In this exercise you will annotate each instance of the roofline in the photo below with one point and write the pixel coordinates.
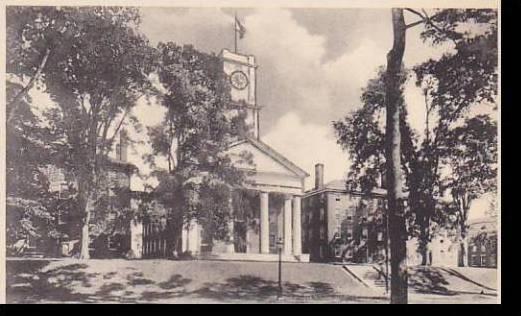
(326, 190)
(276, 155)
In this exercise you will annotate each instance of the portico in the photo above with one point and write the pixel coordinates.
(276, 186)
(291, 222)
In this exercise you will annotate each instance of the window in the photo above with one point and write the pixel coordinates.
(380, 236)
(63, 191)
(322, 213)
(475, 261)
(349, 232)
(322, 232)
(112, 242)
(61, 217)
(350, 218)
(337, 199)
(492, 261)
(364, 233)
(483, 260)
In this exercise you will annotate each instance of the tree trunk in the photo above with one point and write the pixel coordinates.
(85, 238)
(464, 253)
(424, 254)
(397, 228)
(464, 246)
(424, 239)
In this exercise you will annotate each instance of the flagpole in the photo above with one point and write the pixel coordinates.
(235, 30)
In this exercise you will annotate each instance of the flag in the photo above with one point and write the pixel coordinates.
(239, 28)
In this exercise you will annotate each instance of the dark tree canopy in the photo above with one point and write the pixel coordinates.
(196, 131)
(461, 80)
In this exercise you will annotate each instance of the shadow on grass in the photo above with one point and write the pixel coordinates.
(29, 282)
(429, 281)
(252, 288)
(36, 281)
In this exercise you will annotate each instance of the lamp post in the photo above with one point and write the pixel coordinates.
(280, 243)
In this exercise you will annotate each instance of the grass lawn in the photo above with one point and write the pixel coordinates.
(165, 281)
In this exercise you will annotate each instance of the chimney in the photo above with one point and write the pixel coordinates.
(123, 146)
(383, 180)
(319, 176)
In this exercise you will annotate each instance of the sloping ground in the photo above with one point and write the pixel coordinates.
(446, 281)
(487, 278)
(434, 280)
(163, 281)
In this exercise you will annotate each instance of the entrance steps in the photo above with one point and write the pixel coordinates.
(369, 275)
(267, 257)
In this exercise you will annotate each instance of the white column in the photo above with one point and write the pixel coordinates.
(287, 226)
(190, 235)
(136, 238)
(297, 235)
(230, 246)
(264, 223)
(136, 232)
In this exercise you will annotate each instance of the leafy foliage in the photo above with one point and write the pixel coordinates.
(198, 127)
(457, 150)
(94, 67)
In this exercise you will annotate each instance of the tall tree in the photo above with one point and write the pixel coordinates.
(396, 215)
(473, 169)
(198, 127)
(96, 70)
(453, 85)
(464, 77)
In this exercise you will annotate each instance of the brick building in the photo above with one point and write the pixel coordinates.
(115, 180)
(342, 225)
(482, 245)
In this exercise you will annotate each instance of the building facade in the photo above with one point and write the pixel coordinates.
(115, 187)
(482, 245)
(275, 186)
(342, 225)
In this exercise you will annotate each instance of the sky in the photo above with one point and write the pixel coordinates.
(312, 66)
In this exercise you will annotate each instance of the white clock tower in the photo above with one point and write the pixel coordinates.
(240, 71)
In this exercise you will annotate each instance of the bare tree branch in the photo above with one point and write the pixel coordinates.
(414, 24)
(417, 13)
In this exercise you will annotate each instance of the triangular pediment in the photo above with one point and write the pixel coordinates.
(265, 159)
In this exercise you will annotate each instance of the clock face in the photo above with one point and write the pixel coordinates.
(239, 80)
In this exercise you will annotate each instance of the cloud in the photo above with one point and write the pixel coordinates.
(208, 29)
(294, 73)
(313, 65)
(307, 144)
